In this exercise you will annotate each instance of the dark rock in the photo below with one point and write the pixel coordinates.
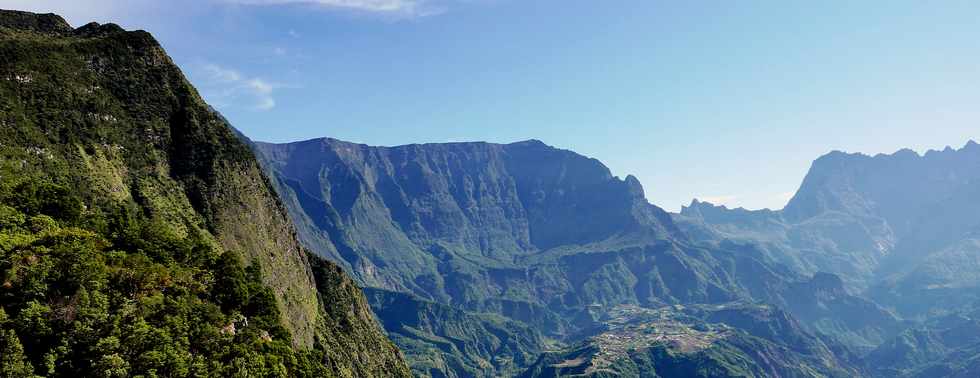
(94, 29)
(40, 23)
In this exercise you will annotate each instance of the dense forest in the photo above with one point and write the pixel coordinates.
(138, 235)
(119, 295)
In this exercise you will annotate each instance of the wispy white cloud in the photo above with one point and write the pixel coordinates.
(229, 87)
(221, 74)
(404, 8)
(259, 86)
(265, 103)
(145, 14)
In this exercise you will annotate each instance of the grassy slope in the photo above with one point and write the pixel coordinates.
(441, 340)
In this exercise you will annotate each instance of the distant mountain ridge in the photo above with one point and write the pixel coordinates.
(551, 239)
(480, 203)
(539, 235)
(887, 221)
(901, 229)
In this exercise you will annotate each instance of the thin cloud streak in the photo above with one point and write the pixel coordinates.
(228, 87)
(401, 8)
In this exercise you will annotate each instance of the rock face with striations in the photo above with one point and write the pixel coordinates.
(903, 225)
(539, 235)
(106, 113)
(410, 218)
(900, 229)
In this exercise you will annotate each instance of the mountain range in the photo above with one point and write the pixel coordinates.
(901, 228)
(498, 228)
(141, 235)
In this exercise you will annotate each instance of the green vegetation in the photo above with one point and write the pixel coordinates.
(128, 298)
(523, 230)
(944, 347)
(442, 341)
(138, 235)
(730, 340)
(544, 238)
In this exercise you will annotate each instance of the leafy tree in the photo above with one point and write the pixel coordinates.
(121, 294)
(13, 362)
(34, 198)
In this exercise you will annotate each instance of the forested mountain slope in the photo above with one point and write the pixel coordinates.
(138, 234)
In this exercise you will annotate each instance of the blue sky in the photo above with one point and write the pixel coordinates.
(724, 101)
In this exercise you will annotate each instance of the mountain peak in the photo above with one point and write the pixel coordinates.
(48, 23)
(634, 185)
(697, 206)
(907, 153)
(531, 142)
(94, 29)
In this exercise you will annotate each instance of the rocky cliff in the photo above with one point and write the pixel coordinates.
(902, 227)
(539, 235)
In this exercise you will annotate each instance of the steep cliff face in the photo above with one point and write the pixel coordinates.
(912, 205)
(106, 113)
(900, 229)
(902, 225)
(895, 187)
(539, 235)
(407, 218)
(549, 238)
(849, 245)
